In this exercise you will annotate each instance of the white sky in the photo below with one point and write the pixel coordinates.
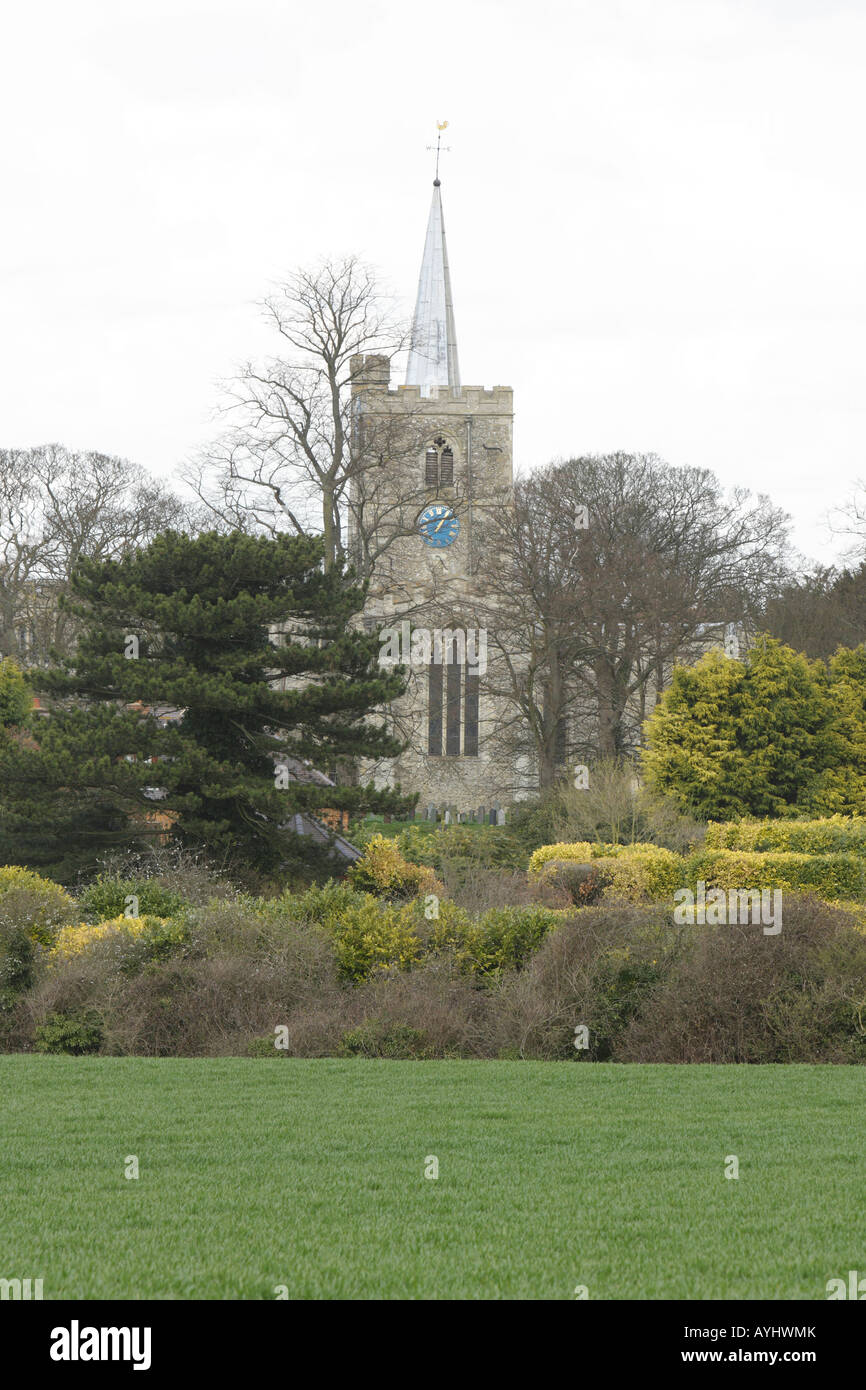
(655, 211)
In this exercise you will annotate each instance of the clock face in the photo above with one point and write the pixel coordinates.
(438, 526)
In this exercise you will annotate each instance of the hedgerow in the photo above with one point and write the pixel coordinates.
(832, 876)
(833, 834)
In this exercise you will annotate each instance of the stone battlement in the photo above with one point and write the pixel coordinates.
(456, 398)
(370, 376)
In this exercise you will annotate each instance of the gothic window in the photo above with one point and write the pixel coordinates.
(470, 730)
(439, 464)
(434, 710)
(452, 708)
(453, 672)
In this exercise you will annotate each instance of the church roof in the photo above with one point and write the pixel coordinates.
(433, 354)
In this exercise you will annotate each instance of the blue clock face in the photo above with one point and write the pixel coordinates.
(438, 526)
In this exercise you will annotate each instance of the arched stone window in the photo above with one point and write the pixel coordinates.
(439, 464)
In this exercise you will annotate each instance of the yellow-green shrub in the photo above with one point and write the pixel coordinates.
(37, 904)
(638, 872)
(579, 853)
(383, 870)
(833, 834)
(503, 938)
(74, 941)
(833, 876)
(373, 935)
(642, 873)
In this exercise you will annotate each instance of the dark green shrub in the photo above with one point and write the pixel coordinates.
(265, 1047)
(108, 897)
(61, 1033)
(16, 958)
(377, 1038)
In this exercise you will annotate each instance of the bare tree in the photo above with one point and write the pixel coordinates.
(300, 454)
(55, 507)
(817, 611)
(850, 520)
(605, 572)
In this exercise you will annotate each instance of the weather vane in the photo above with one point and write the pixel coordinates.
(440, 126)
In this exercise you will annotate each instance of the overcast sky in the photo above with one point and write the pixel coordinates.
(655, 212)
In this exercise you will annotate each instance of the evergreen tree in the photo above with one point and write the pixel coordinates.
(16, 696)
(774, 734)
(203, 663)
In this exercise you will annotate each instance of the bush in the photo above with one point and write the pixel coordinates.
(455, 1017)
(596, 970)
(501, 939)
(377, 1038)
(834, 834)
(739, 996)
(370, 936)
(639, 872)
(75, 1036)
(613, 809)
(188, 873)
(35, 903)
(16, 697)
(109, 896)
(833, 876)
(237, 927)
(579, 853)
(367, 933)
(213, 1007)
(478, 889)
(373, 937)
(383, 870)
(16, 959)
(475, 846)
(578, 885)
(74, 941)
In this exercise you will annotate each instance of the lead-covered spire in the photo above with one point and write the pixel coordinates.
(433, 353)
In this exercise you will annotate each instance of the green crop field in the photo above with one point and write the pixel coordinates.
(311, 1175)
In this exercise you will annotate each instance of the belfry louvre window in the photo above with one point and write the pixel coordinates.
(439, 465)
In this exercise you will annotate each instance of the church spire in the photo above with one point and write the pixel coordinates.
(433, 354)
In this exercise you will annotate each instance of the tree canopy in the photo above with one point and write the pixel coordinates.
(772, 734)
(202, 665)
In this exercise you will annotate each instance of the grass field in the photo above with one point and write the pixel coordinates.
(310, 1174)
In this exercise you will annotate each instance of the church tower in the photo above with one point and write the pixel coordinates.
(438, 461)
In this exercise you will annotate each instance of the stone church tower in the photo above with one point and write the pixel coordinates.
(442, 456)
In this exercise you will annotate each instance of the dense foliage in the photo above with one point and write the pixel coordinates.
(200, 665)
(772, 735)
(390, 965)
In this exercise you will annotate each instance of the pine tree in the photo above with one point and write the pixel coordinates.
(203, 663)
